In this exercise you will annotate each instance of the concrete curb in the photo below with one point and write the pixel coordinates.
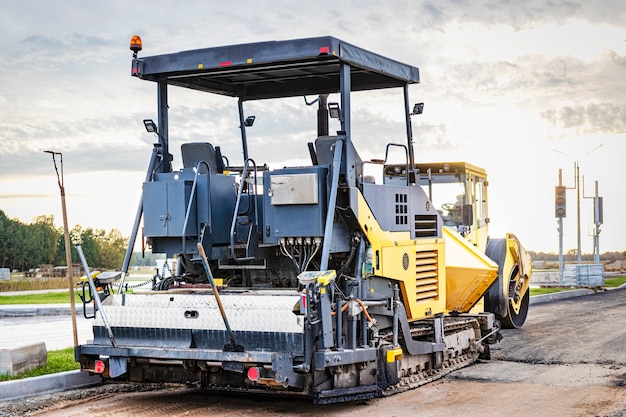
(556, 296)
(563, 295)
(28, 310)
(23, 358)
(47, 384)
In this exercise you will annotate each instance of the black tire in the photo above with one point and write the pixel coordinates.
(515, 320)
(495, 301)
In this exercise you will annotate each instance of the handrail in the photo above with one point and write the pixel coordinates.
(406, 152)
(92, 287)
(193, 194)
(236, 211)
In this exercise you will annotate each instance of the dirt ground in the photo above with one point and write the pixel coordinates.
(568, 360)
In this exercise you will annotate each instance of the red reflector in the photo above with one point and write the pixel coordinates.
(98, 366)
(226, 63)
(254, 373)
(324, 49)
(302, 303)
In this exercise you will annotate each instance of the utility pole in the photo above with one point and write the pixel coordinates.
(577, 179)
(559, 212)
(68, 253)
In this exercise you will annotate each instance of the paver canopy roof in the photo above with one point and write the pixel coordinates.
(276, 69)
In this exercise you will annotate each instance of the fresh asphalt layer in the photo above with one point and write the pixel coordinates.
(64, 381)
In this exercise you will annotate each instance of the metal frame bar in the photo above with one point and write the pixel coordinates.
(332, 201)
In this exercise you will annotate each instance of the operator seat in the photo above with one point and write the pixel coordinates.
(352, 165)
(194, 152)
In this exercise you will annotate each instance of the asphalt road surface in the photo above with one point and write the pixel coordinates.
(568, 360)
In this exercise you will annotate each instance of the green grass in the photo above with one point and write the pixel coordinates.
(548, 290)
(42, 298)
(58, 361)
(608, 282)
(614, 282)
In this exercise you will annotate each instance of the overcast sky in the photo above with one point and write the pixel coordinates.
(519, 88)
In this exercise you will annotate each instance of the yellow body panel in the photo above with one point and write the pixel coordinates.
(435, 275)
(394, 355)
(469, 273)
(417, 265)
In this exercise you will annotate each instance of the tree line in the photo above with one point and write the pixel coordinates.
(572, 256)
(27, 246)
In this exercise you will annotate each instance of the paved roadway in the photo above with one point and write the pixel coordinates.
(56, 331)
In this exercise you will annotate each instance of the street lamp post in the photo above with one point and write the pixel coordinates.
(68, 253)
(577, 173)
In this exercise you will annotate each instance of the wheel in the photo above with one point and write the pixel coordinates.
(503, 298)
(515, 320)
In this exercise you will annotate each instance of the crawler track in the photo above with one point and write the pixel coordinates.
(413, 373)
(414, 380)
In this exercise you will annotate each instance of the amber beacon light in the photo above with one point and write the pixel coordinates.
(135, 45)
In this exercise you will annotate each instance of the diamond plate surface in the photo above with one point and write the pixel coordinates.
(255, 312)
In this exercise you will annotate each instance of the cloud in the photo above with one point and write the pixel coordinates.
(603, 118)
(502, 81)
(497, 12)
(40, 53)
(24, 196)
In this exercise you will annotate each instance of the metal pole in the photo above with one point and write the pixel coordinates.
(332, 202)
(244, 140)
(66, 231)
(560, 237)
(133, 235)
(345, 83)
(409, 129)
(207, 268)
(94, 291)
(68, 261)
(596, 221)
(163, 129)
(561, 251)
(577, 169)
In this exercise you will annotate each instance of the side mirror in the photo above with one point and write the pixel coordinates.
(249, 121)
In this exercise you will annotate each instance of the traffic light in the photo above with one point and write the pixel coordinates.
(559, 201)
